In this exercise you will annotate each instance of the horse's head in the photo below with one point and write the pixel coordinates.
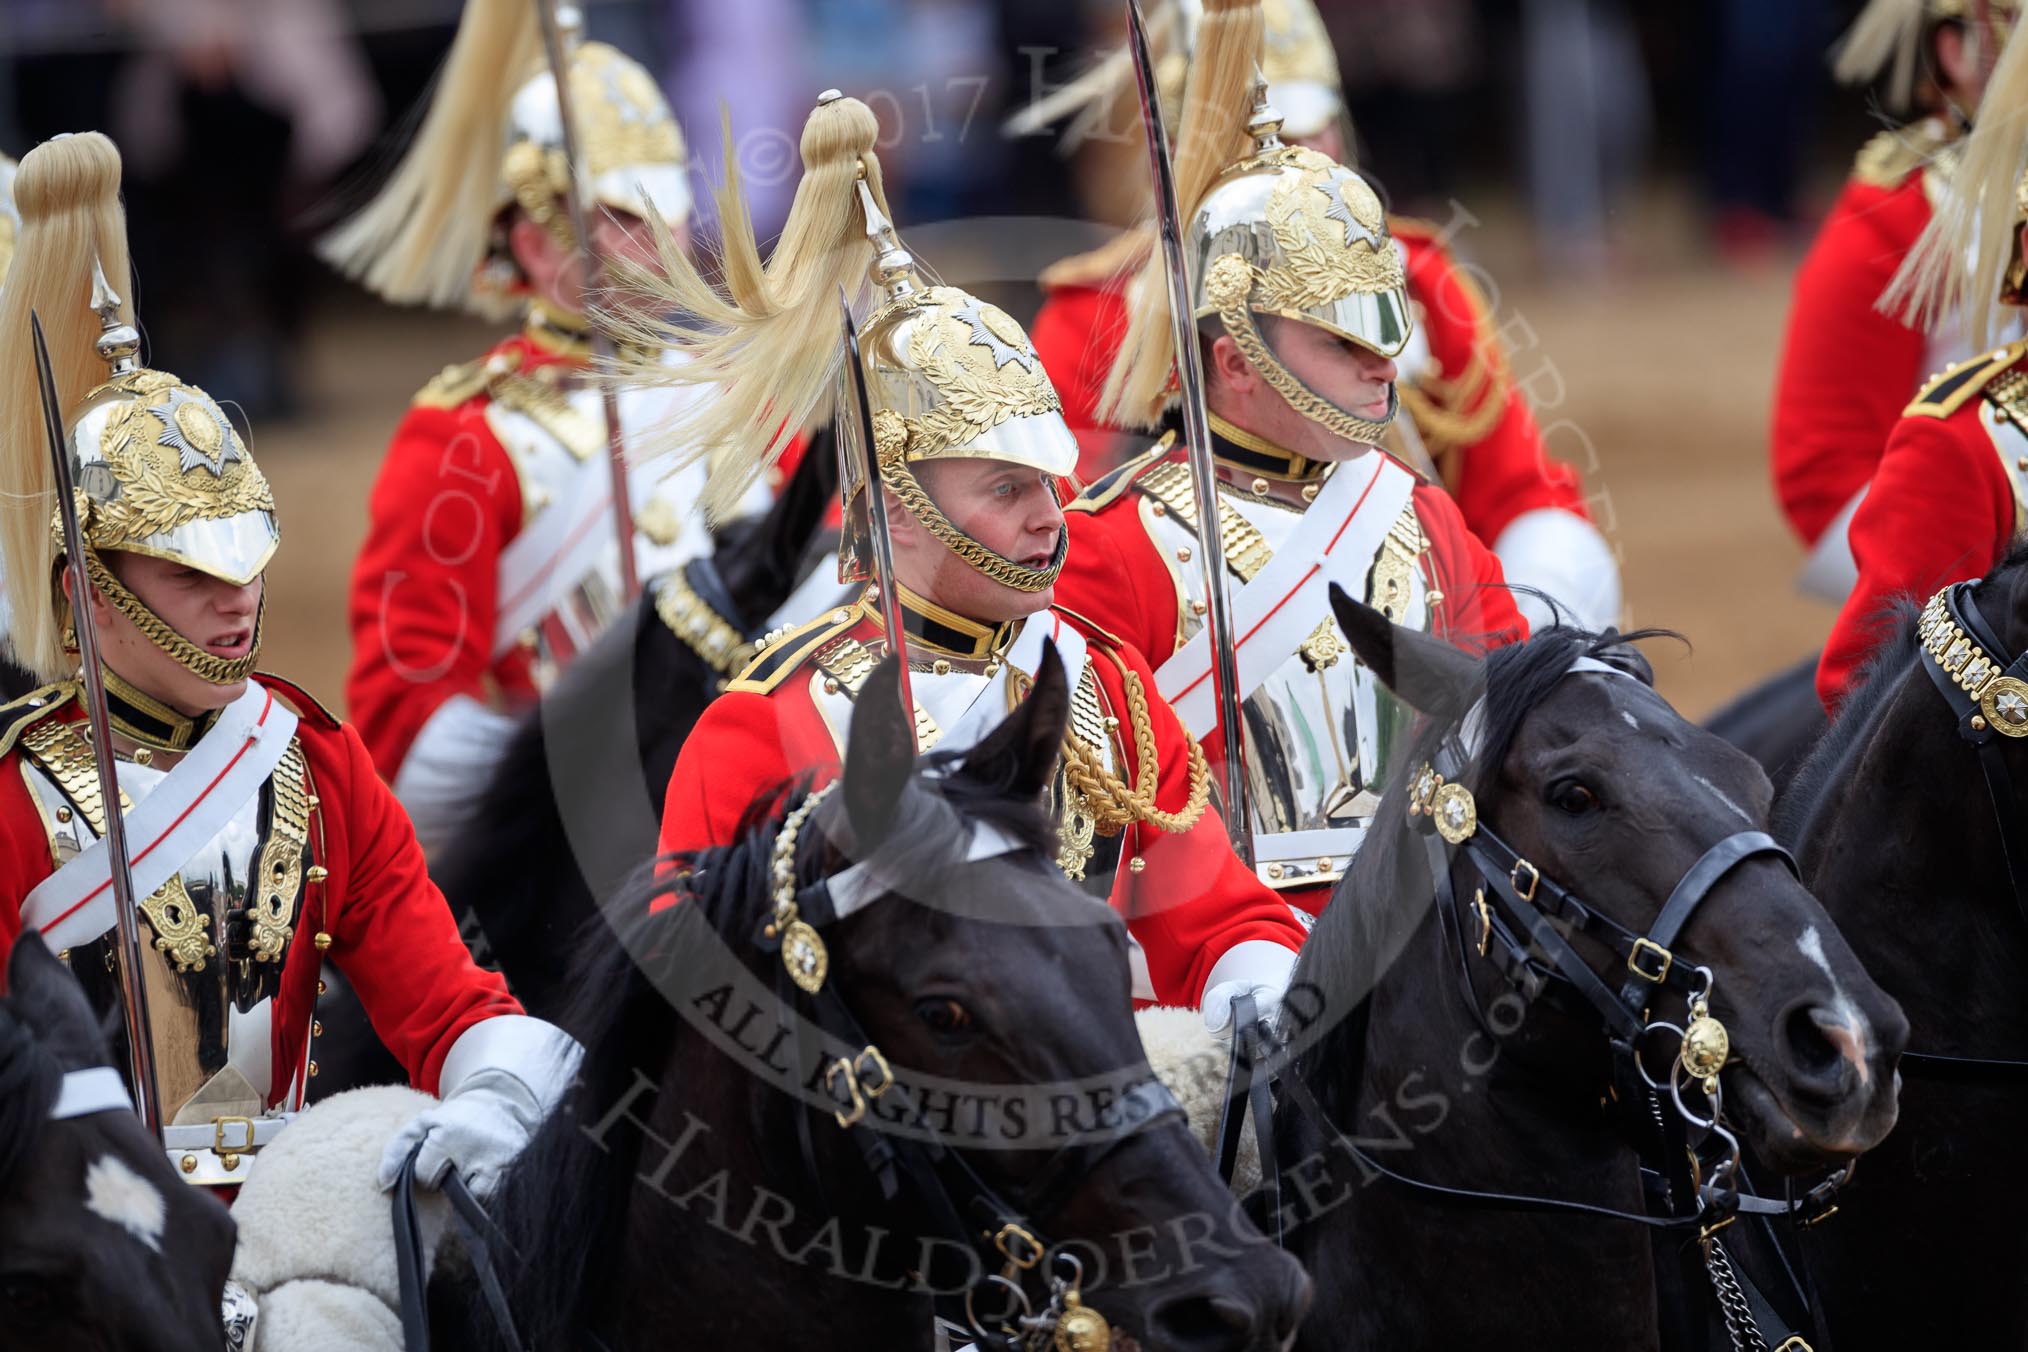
(980, 971)
(101, 1244)
(1613, 800)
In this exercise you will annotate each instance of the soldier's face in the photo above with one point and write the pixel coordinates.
(555, 271)
(213, 614)
(1355, 379)
(1006, 507)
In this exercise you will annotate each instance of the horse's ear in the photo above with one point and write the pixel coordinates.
(879, 756)
(1031, 737)
(47, 998)
(1624, 657)
(1435, 677)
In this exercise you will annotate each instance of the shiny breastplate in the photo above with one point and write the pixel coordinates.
(1322, 734)
(553, 429)
(214, 937)
(943, 691)
(2003, 412)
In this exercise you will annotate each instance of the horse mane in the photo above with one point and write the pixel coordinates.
(31, 1075)
(565, 1205)
(1383, 898)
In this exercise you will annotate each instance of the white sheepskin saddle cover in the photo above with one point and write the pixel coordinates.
(1193, 1063)
(316, 1233)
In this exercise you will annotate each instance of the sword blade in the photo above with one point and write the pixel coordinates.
(1197, 441)
(579, 201)
(856, 442)
(127, 920)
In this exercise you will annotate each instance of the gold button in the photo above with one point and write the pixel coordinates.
(830, 686)
(189, 1164)
(2021, 462)
(316, 873)
(230, 1161)
(1183, 554)
(315, 802)
(1198, 608)
(1978, 723)
(1274, 871)
(316, 1028)
(63, 814)
(940, 667)
(1324, 863)
(1259, 487)
(143, 756)
(1159, 510)
(1112, 724)
(1436, 598)
(320, 986)
(323, 941)
(313, 1070)
(1137, 865)
(1310, 492)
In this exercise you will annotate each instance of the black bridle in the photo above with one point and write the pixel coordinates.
(1988, 692)
(961, 1204)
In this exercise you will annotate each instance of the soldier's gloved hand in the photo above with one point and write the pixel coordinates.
(499, 1080)
(1260, 968)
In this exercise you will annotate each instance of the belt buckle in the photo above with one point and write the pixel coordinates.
(221, 1146)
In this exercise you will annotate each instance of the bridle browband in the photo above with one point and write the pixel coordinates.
(1988, 692)
(961, 1203)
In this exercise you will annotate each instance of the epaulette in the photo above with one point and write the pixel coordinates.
(1104, 490)
(454, 385)
(782, 652)
(1890, 156)
(302, 701)
(1092, 626)
(1947, 392)
(24, 713)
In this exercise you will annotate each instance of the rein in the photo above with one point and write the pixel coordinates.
(1989, 694)
(964, 1207)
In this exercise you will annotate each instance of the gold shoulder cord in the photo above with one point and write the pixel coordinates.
(1114, 806)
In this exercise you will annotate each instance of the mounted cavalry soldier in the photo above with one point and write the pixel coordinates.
(1951, 493)
(261, 842)
(1469, 425)
(1298, 304)
(969, 442)
(492, 556)
(1847, 365)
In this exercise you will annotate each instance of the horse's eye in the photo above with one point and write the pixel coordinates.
(946, 1017)
(1573, 798)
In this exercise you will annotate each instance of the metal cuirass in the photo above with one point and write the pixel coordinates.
(214, 939)
(1322, 734)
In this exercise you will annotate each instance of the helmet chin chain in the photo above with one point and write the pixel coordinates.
(1227, 287)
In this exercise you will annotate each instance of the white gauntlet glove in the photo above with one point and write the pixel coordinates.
(1260, 968)
(500, 1079)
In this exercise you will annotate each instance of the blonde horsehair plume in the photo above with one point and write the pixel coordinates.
(68, 193)
(419, 240)
(765, 337)
(1212, 137)
(1960, 259)
(1886, 32)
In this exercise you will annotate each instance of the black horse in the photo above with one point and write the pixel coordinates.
(101, 1244)
(1436, 1061)
(699, 1187)
(1895, 828)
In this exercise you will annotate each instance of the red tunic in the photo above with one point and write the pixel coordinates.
(1116, 574)
(1498, 470)
(1846, 369)
(391, 931)
(1941, 508)
(424, 589)
(1193, 902)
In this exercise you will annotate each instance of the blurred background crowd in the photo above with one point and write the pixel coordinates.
(1638, 178)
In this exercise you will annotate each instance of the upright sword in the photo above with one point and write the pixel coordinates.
(1197, 439)
(855, 444)
(133, 984)
(554, 21)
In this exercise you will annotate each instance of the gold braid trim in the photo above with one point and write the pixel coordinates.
(908, 490)
(1230, 279)
(217, 670)
(1114, 806)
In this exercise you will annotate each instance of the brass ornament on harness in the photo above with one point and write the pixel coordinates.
(804, 955)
